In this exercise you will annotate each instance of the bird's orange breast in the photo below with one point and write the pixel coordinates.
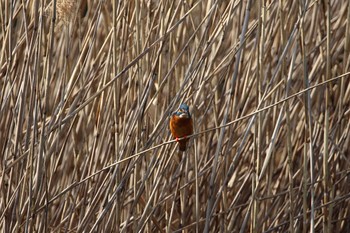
(181, 127)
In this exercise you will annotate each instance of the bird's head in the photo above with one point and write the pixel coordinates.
(183, 111)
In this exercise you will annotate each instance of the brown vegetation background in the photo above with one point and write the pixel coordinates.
(86, 89)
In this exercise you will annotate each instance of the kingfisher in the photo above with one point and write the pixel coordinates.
(181, 125)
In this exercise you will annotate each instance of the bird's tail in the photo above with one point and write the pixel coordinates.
(182, 145)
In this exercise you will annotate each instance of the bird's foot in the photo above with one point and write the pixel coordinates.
(178, 139)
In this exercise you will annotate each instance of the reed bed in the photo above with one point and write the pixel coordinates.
(87, 87)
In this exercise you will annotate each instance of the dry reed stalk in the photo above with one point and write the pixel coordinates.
(327, 211)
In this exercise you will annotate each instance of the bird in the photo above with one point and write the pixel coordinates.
(181, 125)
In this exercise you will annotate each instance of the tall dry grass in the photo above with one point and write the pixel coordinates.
(86, 88)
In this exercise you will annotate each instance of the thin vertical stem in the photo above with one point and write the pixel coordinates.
(326, 183)
(308, 118)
